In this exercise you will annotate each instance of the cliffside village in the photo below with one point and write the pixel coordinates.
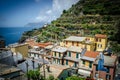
(88, 57)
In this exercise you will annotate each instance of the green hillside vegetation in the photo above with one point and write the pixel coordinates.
(87, 17)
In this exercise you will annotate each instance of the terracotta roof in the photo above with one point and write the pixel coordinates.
(32, 43)
(91, 54)
(43, 45)
(101, 35)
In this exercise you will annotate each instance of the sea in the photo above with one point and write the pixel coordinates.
(13, 34)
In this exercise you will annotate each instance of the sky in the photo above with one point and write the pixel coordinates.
(17, 13)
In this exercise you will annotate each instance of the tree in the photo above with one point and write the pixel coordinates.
(115, 47)
(33, 74)
(117, 26)
(75, 78)
(64, 11)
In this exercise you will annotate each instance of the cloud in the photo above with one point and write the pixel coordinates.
(49, 12)
(47, 15)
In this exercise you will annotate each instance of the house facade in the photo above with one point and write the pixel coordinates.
(109, 64)
(19, 48)
(100, 42)
(72, 58)
(58, 54)
(96, 43)
(86, 63)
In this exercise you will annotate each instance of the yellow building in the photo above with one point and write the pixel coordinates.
(82, 42)
(19, 48)
(96, 43)
(101, 42)
(58, 54)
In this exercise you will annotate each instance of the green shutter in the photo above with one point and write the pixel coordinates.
(90, 65)
(69, 54)
(59, 55)
(77, 55)
(66, 62)
(84, 62)
(96, 67)
(55, 53)
(75, 64)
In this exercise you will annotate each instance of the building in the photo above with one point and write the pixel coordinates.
(40, 50)
(96, 43)
(38, 53)
(58, 54)
(109, 64)
(19, 48)
(100, 42)
(72, 58)
(8, 72)
(6, 57)
(86, 63)
(82, 42)
(2, 42)
(32, 43)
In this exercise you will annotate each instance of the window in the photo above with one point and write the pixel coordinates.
(58, 61)
(34, 55)
(77, 55)
(29, 54)
(38, 55)
(90, 65)
(99, 40)
(96, 75)
(108, 69)
(84, 62)
(96, 39)
(66, 42)
(75, 64)
(72, 43)
(59, 55)
(69, 54)
(66, 62)
(77, 43)
(99, 45)
(55, 54)
(54, 60)
(96, 67)
(108, 77)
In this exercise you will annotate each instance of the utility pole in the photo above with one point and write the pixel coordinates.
(33, 63)
(27, 69)
(43, 66)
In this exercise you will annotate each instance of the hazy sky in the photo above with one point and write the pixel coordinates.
(20, 12)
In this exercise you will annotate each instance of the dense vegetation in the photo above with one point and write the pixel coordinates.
(87, 17)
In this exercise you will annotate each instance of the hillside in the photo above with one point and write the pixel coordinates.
(85, 18)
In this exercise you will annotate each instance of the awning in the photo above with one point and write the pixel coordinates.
(84, 73)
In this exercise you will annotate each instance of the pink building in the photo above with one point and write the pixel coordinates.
(110, 64)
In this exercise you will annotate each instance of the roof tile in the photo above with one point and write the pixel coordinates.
(91, 54)
(101, 35)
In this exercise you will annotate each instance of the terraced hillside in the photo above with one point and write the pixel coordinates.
(87, 17)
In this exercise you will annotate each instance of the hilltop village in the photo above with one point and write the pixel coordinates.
(82, 44)
(74, 56)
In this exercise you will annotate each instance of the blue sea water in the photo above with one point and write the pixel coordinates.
(13, 34)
